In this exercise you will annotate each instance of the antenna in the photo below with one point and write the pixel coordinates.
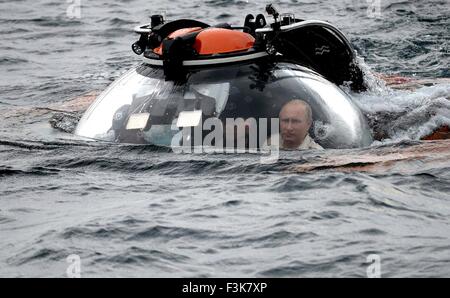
(270, 9)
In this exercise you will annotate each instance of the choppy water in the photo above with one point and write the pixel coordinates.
(143, 211)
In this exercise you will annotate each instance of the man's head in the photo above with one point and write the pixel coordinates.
(295, 121)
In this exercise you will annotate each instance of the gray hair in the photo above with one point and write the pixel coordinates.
(302, 103)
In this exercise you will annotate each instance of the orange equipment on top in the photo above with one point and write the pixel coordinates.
(212, 41)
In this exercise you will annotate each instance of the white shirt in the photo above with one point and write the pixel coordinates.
(308, 143)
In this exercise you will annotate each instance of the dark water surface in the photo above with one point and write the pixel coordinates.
(143, 211)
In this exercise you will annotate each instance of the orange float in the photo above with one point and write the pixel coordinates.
(214, 40)
(175, 34)
(220, 41)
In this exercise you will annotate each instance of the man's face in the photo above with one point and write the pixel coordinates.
(294, 125)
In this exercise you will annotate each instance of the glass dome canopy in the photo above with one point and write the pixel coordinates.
(142, 107)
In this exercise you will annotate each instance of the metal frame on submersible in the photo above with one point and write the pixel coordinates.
(277, 40)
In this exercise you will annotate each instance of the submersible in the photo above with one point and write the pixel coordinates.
(192, 71)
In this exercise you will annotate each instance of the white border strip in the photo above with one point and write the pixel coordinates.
(202, 62)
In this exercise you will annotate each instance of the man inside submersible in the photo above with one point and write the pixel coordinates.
(295, 122)
(164, 100)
